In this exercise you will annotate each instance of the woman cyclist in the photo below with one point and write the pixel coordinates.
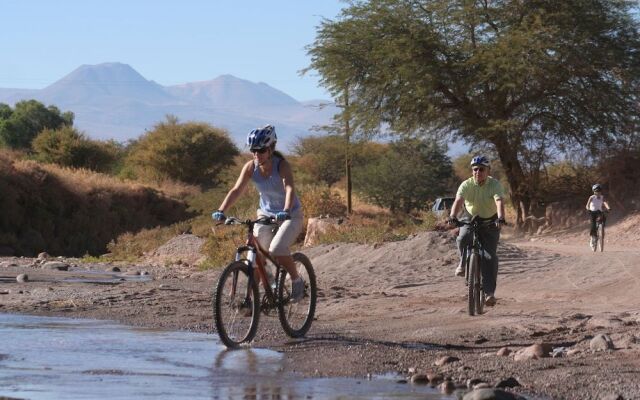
(273, 178)
(596, 205)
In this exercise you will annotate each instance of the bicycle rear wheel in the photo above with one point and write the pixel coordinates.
(474, 296)
(236, 305)
(601, 237)
(296, 317)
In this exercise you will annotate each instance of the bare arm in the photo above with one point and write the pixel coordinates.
(606, 205)
(588, 202)
(500, 207)
(239, 188)
(456, 207)
(287, 181)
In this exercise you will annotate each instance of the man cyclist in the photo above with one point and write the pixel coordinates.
(482, 196)
(596, 205)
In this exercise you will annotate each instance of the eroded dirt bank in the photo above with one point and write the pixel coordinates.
(398, 308)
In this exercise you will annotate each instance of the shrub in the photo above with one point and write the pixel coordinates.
(69, 148)
(405, 175)
(192, 152)
(318, 201)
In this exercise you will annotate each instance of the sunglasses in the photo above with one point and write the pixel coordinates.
(259, 151)
(476, 169)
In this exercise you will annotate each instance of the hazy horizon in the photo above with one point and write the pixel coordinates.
(170, 44)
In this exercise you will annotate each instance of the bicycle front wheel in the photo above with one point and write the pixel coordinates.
(296, 317)
(474, 296)
(236, 305)
(601, 237)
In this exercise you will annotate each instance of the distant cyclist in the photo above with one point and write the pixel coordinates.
(273, 178)
(482, 196)
(596, 205)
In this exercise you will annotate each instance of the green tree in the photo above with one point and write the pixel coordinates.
(68, 147)
(28, 118)
(5, 111)
(322, 157)
(190, 152)
(523, 77)
(406, 175)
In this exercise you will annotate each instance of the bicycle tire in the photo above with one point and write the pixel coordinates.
(296, 318)
(474, 290)
(235, 320)
(601, 237)
(473, 266)
(479, 299)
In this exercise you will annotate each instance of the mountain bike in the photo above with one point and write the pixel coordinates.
(599, 238)
(472, 265)
(237, 301)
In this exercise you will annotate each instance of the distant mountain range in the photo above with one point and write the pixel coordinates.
(113, 101)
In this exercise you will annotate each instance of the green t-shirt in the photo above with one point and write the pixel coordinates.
(481, 200)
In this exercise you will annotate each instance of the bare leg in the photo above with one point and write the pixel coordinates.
(288, 264)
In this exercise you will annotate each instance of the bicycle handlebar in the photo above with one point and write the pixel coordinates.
(476, 220)
(264, 220)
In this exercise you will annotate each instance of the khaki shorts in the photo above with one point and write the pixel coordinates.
(279, 243)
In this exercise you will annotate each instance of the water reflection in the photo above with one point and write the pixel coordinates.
(53, 358)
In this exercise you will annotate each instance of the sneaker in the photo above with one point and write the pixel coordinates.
(297, 293)
(490, 300)
(460, 270)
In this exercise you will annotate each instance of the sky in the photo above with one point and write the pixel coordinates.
(169, 42)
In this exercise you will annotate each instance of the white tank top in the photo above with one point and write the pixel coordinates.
(596, 203)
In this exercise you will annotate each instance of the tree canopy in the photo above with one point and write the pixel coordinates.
(524, 77)
(70, 148)
(190, 152)
(18, 127)
(405, 175)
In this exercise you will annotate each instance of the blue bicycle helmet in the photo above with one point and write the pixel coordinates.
(262, 137)
(596, 187)
(480, 160)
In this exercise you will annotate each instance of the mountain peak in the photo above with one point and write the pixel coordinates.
(229, 91)
(112, 79)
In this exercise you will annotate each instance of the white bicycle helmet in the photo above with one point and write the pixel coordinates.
(596, 187)
(262, 137)
(480, 160)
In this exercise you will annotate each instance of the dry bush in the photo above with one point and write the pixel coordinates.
(320, 200)
(73, 212)
(378, 228)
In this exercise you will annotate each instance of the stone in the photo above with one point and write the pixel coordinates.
(113, 269)
(434, 378)
(419, 379)
(504, 352)
(447, 387)
(43, 256)
(316, 227)
(22, 278)
(490, 394)
(510, 382)
(533, 352)
(56, 265)
(601, 342)
(446, 360)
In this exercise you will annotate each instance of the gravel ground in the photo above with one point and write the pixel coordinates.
(397, 307)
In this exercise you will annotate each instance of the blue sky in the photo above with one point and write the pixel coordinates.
(170, 42)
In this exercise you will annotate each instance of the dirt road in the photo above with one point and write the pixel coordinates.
(397, 307)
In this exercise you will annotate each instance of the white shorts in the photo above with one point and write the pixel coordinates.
(279, 243)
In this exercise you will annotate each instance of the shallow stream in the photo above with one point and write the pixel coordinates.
(61, 358)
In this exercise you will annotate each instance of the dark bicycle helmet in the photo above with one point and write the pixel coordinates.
(262, 137)
(480, 160)
(596, 187)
